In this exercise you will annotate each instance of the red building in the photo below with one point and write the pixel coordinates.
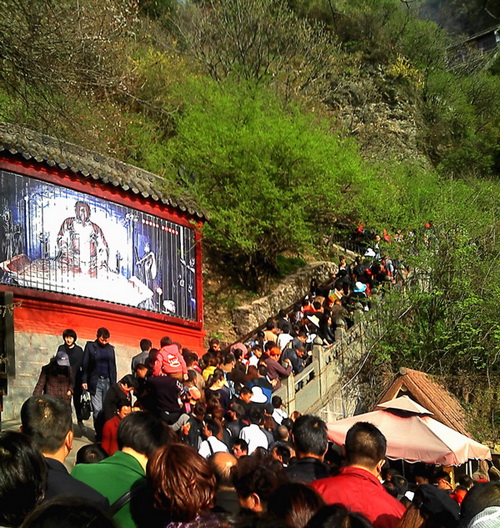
(87, 241)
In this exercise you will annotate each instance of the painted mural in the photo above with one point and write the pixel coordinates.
(60, 240)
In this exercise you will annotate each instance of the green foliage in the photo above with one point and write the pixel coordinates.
(451, 324)
(463, 121)
(288, 265)
(266, 174)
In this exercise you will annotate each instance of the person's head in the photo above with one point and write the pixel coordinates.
(245, 394)
(123, 410)
(214, 344)
(262, 370)
(165, 341)
(337, 516)
(47, 419)
(255, 479)
(69, 336)
(365, 446)
(211, 428)
(142, 432)
(221, 464)
(23, 478)
(257, 351)
(68, 512)
(282, 454)
(229, 359)
(90, 454)
(481, 496)
(217, 378)
(182, 482)
(270, 324)
(294, 503)
(282, 433)
(240, 448)
(443, 480)
(62, 359)
(302, 336)
(103, 336)
(141, 371)
(466, 481)
(82, 212)
(310, 436)
(276, 402)
(199, 410)
(129, 383)
(145, 345)
(436, 506)
(256, 416)
(421, 474)
(300, 350)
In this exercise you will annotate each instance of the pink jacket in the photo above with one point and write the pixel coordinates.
(169, 361)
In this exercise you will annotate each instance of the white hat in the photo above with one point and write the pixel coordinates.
(314, 319)
(258, 395)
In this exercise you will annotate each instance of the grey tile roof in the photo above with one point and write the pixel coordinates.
(33, 145)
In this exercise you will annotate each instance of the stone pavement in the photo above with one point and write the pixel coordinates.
(79, 441)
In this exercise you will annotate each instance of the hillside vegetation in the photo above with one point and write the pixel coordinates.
(284, 119)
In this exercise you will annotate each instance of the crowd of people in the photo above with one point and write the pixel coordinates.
(202, 440)
(156, 479)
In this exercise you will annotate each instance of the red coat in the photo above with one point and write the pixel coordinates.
(360, 491)
(110, 435)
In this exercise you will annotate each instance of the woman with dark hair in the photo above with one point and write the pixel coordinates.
(183, 486)
(55, 378)
(23, 478)
(216, 387)
(294, 503)
(255, 478)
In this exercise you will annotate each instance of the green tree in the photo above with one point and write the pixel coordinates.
(267, 175)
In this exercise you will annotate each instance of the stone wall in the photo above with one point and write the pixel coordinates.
(249, 316)
(33, 351)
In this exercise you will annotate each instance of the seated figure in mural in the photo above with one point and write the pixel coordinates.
(82, 244)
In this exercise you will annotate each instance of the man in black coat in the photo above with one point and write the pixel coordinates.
(98, 373)
(311, 442)
(47, 420)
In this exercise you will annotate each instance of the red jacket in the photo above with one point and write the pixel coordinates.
(360, 491)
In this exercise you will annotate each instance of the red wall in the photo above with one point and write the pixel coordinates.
(50, 313)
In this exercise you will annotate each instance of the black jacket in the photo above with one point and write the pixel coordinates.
(89, 365)
(60, 482)
(307, 470)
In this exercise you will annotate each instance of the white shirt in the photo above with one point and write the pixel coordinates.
(279, 415)
(214, 443)
(255, 437)
(283, 340)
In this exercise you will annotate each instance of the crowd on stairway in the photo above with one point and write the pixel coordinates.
(189, 440)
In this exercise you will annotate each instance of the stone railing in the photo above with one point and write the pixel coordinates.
(315, 386)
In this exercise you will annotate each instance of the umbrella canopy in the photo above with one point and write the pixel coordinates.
(414, 436)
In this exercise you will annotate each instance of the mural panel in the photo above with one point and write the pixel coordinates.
(60, 240)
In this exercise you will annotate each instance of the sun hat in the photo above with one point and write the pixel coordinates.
(258, 395)
(359, 287)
